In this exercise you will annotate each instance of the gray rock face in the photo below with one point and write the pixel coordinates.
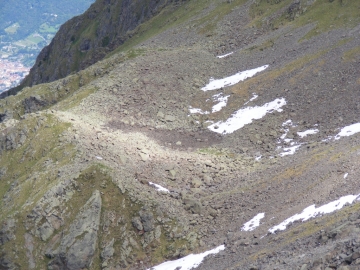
(6, 116)
(137, 223)
(43, 217)
(29, 244)
(6, 235)
(7, 231)
(2, 172)
(78, 247)
(33, 104)
(108, 251)
(147, 220)
(6, 263)
(8, 141)
(45, 231)
(157, 232)
(170, 118)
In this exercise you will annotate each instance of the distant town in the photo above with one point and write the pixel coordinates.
(25, 32)
(17, 56)
(16, 59)
(11, 74)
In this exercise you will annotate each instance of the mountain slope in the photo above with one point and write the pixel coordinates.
(82, 157)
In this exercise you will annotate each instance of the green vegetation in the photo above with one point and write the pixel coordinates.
(46, 28)
(12, 29)
(261, 9)
(201, 10)
(338, 14)
(208, 22)
(75, 99)
(133, 53)
(35, 39)
(352, 54)
(32, 40)
(265, 45)
(325, 14)
(105, 41)
(32, 156)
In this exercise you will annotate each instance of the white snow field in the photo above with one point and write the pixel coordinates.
(348, 131)
(224, 55)
(290, 150)
(246, 115)
(307, 132)
(158, 187)
(312, 211)
(231, 80)
(253, 223)
(186, 263)
(222, 103)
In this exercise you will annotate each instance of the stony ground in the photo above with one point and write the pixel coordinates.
(136, 128)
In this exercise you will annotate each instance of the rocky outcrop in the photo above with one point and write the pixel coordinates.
(5, 116)
(77, 248)
(108, 251)
(7, 234)
(33, 104)
(7, 231)
(47, 215)
(29, 244)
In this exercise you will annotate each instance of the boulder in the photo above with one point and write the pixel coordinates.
(136, 222)
(108, 251)
(7, 231)
(29, 244)
(170, 118)
(192, 205)
(34, 104)
(147, 220)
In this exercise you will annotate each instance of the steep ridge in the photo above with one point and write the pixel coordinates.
(87, 38)
(134, 160)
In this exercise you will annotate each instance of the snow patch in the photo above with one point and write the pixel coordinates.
(290, 150)
(288, 123)
(245, 116)
(348, 131)
(294, 146)
(307, 132)
(187, 263)
(159, 188)
(255, 96)
(225, 55)
(231, 80)
(312, 211)
(344, 132)
(222, 103)
(253, 223)
(196, 110)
